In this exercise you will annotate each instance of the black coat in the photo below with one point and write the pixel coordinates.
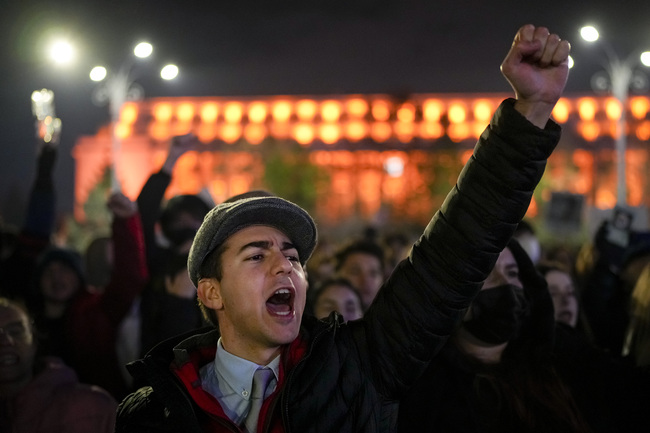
(353, 374)
(459, 394)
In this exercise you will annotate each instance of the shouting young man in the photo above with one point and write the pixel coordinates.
(247, 262)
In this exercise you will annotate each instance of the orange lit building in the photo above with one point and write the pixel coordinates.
(378, 157)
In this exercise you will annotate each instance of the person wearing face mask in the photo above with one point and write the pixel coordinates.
(505, 368)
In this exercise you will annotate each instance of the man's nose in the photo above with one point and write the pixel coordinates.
(281, 264)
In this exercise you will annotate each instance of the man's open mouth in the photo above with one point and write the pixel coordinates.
(281, 302)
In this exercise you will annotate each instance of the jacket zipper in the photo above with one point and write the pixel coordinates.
(285, 406)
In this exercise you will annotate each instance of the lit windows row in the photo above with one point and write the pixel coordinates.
(308, 110)
(356, 118)
(380, 110)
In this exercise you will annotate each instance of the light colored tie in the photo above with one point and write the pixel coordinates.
(261, 379)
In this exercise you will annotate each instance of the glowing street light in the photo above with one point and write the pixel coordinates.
(619, 77)
(61, 52)
(119, 87)
(169, 72)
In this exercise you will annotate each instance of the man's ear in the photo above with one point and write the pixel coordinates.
(209, 292)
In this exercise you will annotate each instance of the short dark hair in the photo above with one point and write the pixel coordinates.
(176, 206)
(361, 246)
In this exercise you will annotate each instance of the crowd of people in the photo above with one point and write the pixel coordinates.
(471, 326)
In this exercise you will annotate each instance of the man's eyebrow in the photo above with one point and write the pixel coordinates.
(265, 245)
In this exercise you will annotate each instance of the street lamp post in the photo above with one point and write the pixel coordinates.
(620, 76)
(116, 89)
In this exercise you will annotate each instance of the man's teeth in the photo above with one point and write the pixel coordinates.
(282, 292)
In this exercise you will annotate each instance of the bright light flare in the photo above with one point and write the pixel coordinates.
(571, 62)
(645, 58)
(589, 33)
(169, 72)
(61, 52)
(394, 166)
(143, 50)
(98, 73)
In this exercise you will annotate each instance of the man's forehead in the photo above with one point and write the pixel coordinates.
(256, 233)
(9, 314)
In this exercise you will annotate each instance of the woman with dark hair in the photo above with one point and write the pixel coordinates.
(566, 297)
(501, 372)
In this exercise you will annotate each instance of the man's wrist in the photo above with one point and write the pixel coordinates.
(537, 113)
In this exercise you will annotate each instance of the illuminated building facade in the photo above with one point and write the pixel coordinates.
(370, 156)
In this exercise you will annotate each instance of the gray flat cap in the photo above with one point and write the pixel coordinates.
(227, 218)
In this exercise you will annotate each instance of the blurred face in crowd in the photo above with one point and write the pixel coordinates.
(341, 298)
(497, 312)
(59, 282)
(17, 349)
(365, 272)
(261, 296)
(505, 271)
(564, 298)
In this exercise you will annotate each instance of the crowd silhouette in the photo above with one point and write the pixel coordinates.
(554, 337)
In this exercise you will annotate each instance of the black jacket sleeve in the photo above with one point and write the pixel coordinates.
(425, 297)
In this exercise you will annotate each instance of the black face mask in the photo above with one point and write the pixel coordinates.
(497, 314)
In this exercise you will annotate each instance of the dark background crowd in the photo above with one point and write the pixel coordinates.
(96, 310)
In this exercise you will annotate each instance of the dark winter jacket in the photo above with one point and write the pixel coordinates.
(348, 377)
(457, 393)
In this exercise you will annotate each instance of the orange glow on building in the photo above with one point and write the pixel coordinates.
(330, 111)
(483, 110)
(381, 110)
(185, 112)
(561, 110)
(257, 112)
(613, 109)
(306, 109)
(281, 111)
(406, 112)
(639, 107)
(351, 137)
(129, 113)
(209, 112)
(356, 108)
(162, 112)
(233, 112)
(457, 113)
(303, 133)
(432, 109)
(587, 108)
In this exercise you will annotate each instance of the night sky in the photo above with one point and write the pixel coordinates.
(244, 47)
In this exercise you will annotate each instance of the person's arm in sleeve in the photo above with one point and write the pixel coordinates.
(151, 196)
(421, 303)
(130, 274)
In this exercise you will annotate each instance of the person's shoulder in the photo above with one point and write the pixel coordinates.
(89, 398)
(140, 405)
(137, 404)
(83, 407)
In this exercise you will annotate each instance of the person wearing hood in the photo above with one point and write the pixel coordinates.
(508, 367)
